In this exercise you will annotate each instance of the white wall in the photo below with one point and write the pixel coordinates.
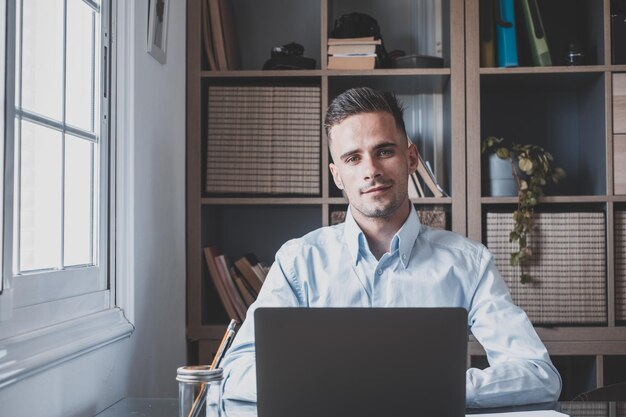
(145, 364)
(159, 150)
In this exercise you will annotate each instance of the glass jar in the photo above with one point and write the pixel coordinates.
(194, 383)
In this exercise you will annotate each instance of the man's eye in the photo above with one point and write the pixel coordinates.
(385, 152)
(351, 159)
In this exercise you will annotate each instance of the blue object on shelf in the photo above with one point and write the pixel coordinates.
(505, 31)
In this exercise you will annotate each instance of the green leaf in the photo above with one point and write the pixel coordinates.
(503, 153)
(526, 279)
(525, 165)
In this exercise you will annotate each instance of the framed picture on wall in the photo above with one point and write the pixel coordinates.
(157, 28)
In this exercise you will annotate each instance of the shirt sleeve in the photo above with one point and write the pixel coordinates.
(520, 370)
(239, 364)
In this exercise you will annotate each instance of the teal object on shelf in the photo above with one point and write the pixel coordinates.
(506, 37)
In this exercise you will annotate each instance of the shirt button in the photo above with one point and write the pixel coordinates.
(404, 257)
(380, 272)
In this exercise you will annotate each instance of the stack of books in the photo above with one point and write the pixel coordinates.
(352, 53)
(263, 140)
(237, 285)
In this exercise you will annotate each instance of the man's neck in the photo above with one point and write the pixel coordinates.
(379, 231)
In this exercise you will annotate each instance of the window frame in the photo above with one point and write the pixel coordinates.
(39, 329)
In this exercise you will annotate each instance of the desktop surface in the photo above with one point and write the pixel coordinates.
(168, 407)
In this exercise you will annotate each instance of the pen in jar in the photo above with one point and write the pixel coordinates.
(219, 355)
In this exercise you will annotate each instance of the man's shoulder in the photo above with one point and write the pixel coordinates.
(451, 241)
(327, 238)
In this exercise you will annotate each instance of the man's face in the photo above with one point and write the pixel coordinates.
(371, 163)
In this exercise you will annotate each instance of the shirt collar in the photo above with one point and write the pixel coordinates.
(403, 240)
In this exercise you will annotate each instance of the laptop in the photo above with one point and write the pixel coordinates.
(361, 362)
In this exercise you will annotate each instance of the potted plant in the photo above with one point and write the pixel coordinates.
(532, 167)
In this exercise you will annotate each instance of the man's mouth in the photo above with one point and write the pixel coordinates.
(377, 189)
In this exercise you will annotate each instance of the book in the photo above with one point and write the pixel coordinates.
(229, 284)
(218, 35)
(359, 62)
(536, 34)
(413, 193)
(352, 49)
(260, 269)
(229, 35)
(246, 293)
(428, 177)
(417, 184)
(505, 31)
(351, 41)
(209, 255)
(487, 35)
(244, 266)
(206, 34)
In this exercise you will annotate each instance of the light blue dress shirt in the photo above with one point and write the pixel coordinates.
(425, 267)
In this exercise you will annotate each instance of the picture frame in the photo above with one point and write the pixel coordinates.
(158, 11)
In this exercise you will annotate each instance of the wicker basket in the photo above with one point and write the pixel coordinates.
(586, 409)
(432, 218)
(569, 263)
(620, 265)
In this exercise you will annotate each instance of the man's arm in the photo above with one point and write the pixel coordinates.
(520, 369)
(279, 290)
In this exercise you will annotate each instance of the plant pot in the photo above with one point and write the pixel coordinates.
(501, 180)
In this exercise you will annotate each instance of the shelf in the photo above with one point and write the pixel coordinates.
(320, 73)
(574, 341)
(425, 200)
(547, 70)
(265, 201)
(550, 199)
(260, 74)
(305, 201)
(563, 113)
(389, 71)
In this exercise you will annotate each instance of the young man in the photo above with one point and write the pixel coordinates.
(383, 257)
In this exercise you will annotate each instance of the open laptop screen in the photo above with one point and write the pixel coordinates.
(361, 362)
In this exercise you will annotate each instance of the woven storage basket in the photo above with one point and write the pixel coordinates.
(569, 263)
(263, 140)
(584, 408)
(620, 265)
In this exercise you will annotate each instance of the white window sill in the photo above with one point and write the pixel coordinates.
(33, 352)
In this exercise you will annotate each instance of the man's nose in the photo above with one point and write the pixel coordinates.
(371, 169)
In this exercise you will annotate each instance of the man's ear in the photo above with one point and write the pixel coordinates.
(412, 157)
(336, 177)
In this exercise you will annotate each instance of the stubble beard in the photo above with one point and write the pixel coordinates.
(380, 212)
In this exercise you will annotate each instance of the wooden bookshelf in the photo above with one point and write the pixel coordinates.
(494, 94)
(477, 102)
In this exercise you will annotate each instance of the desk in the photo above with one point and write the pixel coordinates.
(168, 407)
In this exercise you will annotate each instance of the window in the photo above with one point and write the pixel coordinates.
(59, 142)
(56, 188)
(3, 54)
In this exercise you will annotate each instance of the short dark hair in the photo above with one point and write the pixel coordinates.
(363, 100)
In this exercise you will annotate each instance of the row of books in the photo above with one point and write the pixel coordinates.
(237, 285)
(219, 35)
(352, 53)
(424, 179)
(263, 140)
(498, 33)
